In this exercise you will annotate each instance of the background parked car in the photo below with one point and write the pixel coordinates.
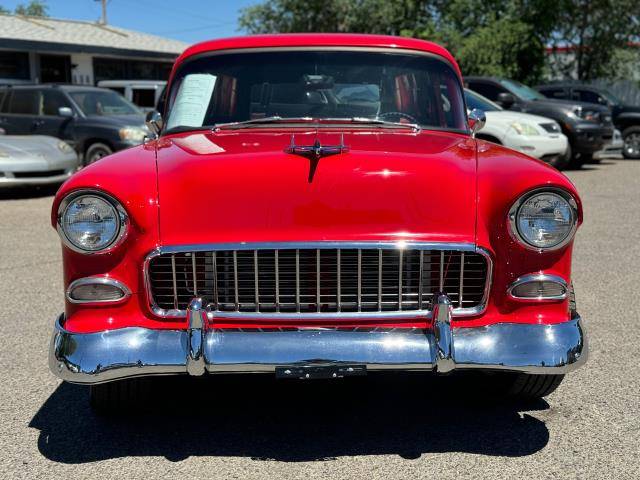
(35, 160)
(587, 126)
(537, 136)
(626, 117)
(144, 93)
(95, 121)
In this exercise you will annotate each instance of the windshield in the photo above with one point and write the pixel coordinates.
(522, 91)
(103, 103)
(611, 97)
(475, 100)
(240, 87)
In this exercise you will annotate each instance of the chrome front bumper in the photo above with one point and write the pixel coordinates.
(132, 352)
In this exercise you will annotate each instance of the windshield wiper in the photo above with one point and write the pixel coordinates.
(264, 120)
(318, 121)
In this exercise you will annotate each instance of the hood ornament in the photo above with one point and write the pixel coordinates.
(317, 150)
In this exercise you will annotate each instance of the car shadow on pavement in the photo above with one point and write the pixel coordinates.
(265, 419)
(23, 193)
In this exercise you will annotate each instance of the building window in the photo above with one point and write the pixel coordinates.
(14, 65)
(115, 69)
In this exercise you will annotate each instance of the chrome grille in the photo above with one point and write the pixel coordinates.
(320, 280)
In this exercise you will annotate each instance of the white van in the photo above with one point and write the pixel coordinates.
(144, 93)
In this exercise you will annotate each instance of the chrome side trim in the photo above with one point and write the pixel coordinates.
(457, 312)
(133, 352)
(123, 227)
(513, 220)
(126, 292)
(539, 277)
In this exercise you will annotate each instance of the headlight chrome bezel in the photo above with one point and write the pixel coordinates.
(515, 208)
(123, 221)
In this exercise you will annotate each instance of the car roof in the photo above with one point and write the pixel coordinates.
(570, 85)
(118, 83)
(69, 88)
(318, 40)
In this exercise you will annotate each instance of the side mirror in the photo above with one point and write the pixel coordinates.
(477, 119)
(154, 123)
(506, 100)
(65, 112)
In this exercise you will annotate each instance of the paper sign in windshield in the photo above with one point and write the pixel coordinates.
(192, 101)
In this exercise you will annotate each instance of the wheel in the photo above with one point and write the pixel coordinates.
(523, 386)
(588, 158)
(574, 159)
(561, 161)
(631, 139)
(95, 152)
(118, 396)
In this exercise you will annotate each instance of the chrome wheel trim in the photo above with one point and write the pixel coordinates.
(632, 144)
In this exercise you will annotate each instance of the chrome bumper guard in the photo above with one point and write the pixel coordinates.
(133, 352)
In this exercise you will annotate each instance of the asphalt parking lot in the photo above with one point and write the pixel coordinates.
(381, 426)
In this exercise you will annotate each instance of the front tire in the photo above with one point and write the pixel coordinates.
(631, 139)
(119, 396)
(523, 386)
(95, 152)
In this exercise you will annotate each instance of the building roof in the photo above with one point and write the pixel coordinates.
(24, 32)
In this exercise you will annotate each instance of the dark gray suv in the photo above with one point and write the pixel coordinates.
(95, 121)
(588, 127)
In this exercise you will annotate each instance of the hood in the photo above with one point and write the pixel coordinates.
(515, 116)
(29, 146)
(134, 120)
(568, 104)
(241, 186)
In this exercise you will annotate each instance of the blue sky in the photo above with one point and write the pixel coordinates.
(187, 20)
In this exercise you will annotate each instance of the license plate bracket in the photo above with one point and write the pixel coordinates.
(321, 371)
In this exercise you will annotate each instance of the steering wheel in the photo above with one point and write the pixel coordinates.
(412, 119)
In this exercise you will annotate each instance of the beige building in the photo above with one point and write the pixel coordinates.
(42, 50)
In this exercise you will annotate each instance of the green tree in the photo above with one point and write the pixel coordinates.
(597, 32)
(35, 8)
(489, 37)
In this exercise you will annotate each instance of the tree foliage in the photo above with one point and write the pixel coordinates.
(488, 37)
(35, 8)
(599, 31)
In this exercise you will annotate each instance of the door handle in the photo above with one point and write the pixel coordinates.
(37, 123)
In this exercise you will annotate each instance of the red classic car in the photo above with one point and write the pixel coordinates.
(316, 206)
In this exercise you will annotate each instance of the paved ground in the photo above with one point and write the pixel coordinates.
(385, 427)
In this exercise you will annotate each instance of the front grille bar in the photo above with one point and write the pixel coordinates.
(330, 279)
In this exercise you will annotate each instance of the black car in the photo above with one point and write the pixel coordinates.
(95, 121)
(587, 126)
(626, 118)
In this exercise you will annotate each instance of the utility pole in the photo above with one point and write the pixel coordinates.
(103, 19)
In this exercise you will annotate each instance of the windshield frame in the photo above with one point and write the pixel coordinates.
(171, 93)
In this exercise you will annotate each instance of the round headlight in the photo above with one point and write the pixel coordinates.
(544, 220)
(91, 222)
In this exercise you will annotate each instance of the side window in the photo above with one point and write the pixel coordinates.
(486, 89)
(554, 93)
(143, 97)
(3, 94)
(24, 102)
(588, 96)
(52, 100)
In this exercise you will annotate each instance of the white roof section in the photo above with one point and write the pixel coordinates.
(82, 36)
